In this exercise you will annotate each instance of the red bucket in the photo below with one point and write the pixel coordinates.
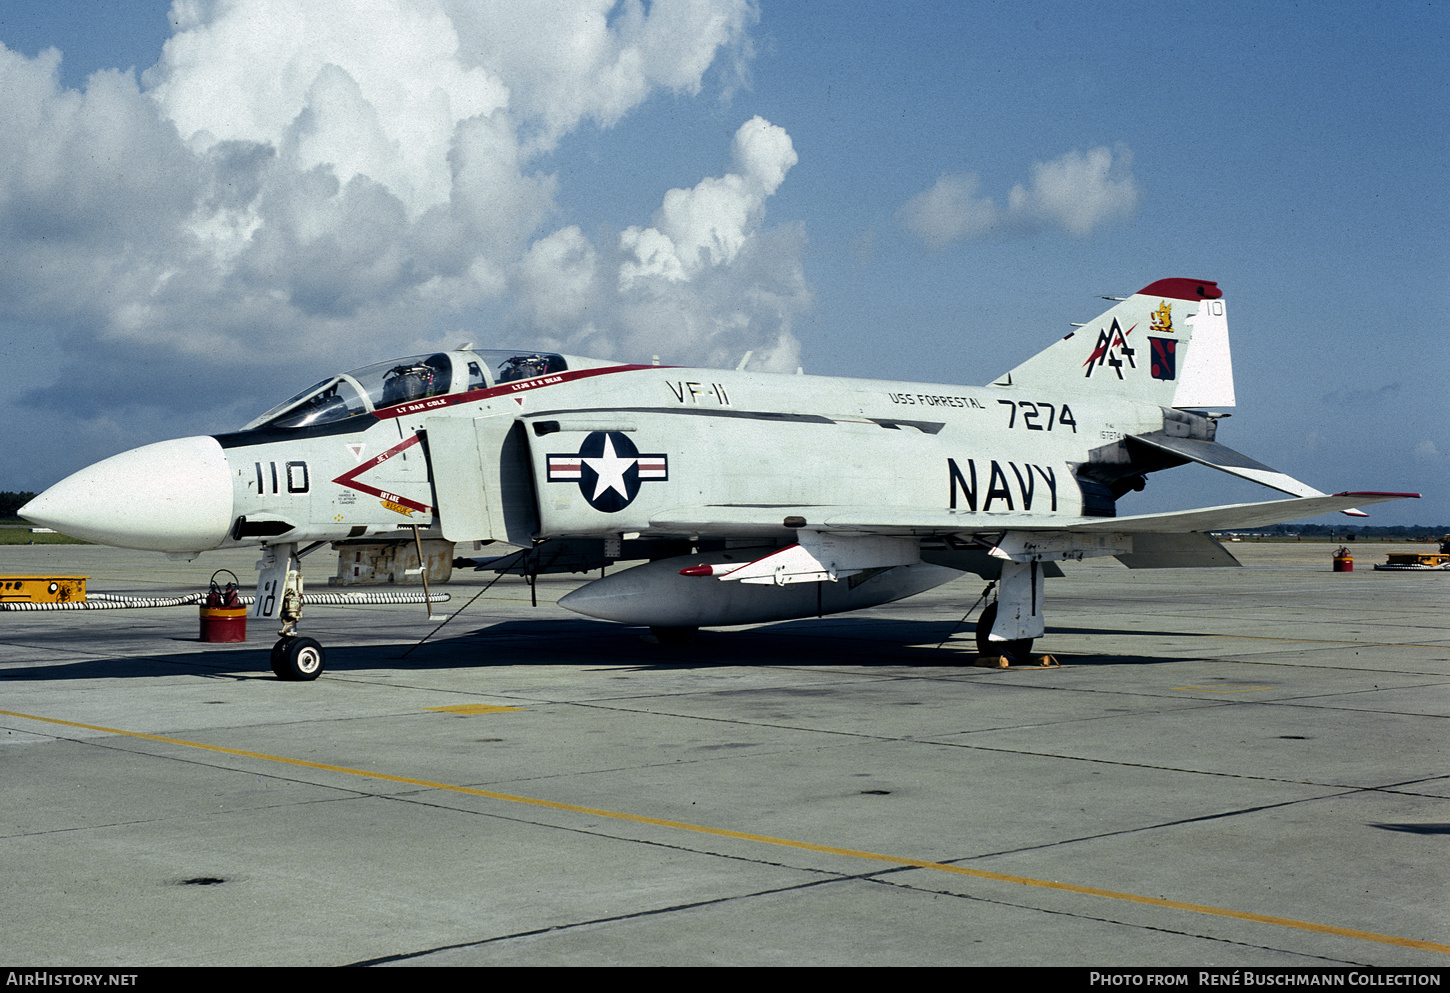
(223, 623)
(223, 618)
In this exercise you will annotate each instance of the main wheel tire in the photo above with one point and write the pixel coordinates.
(1016, 651)
(300, 659)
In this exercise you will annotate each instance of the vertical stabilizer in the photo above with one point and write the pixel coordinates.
(1167, 344)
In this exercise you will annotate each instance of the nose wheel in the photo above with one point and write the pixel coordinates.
(298, 659)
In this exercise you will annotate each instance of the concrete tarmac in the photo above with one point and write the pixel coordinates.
(1241, 768)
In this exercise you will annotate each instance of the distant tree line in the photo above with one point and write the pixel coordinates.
(10, 503)
(1403, 531)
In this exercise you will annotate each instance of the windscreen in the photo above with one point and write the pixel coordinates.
(384, 384)
(330, 400)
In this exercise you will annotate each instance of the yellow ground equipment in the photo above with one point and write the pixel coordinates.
(1420, 561)
(42, 589)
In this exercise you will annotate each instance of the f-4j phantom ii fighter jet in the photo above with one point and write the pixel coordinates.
(755, 497)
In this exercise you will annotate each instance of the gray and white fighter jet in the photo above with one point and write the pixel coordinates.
(755, 497)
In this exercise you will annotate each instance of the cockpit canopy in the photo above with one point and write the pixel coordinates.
(406, 380)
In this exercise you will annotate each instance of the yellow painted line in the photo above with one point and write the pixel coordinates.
(765, 839)
(1223, 689)
(472, 708)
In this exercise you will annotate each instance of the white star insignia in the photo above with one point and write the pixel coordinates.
(610, 469)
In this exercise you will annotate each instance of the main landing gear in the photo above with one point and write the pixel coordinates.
(1016, 613)
(1017, 650)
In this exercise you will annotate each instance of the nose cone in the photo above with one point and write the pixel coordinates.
(174, 496)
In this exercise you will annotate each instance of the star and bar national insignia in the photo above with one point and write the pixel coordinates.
(609, 470)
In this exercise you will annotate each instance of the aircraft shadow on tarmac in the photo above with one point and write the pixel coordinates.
(836, 641)
(1415, 828)
(233, 664)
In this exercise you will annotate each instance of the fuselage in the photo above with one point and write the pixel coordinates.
(600, 450)
(754, 497)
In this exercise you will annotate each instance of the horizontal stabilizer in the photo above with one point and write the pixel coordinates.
(1238, 515)
(1225, 459)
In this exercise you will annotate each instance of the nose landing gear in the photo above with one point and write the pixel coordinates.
(294, 657)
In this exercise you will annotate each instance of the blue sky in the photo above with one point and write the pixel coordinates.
(1295, 154)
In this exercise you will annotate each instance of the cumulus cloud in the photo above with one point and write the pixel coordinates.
(950, 211)
(707, 281)
(723, 310)
(375, 89)
(595, 59)
(557, 286)
(1076, 192)
(312, 184)
(708, 226)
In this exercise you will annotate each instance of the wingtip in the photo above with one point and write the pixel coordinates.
(1378, 496)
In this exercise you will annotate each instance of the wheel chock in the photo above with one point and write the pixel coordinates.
(1002, 662)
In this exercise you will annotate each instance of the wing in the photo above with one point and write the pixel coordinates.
(836, 541)
(753, 521)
